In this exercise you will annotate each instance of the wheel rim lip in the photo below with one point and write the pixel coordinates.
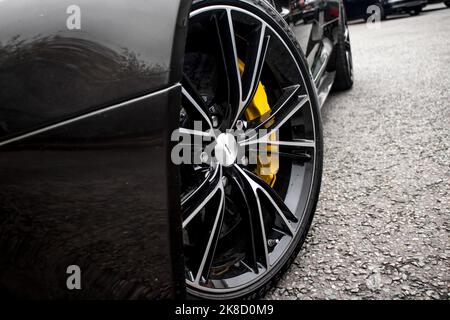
(197, 288)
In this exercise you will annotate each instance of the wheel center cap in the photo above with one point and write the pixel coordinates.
(226, 149)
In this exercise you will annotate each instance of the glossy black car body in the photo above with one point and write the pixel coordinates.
(83, 113)
(85, 123)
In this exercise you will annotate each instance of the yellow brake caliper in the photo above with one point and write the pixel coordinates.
(268, 165)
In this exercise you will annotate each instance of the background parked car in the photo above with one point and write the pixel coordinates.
(357, 9)
(447, 2)
(413, 7)
(361, 9)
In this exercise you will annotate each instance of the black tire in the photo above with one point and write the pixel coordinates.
(447, 3)
(267, 280)
(343, 56)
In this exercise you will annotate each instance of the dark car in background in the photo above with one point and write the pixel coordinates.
(363, 9)
(305, 10)
(89, 105)
(446, 2)
(412, 7)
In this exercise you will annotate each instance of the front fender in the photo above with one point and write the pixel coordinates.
(58, 60)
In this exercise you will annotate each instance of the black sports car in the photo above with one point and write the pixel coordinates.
(96, 101)
(357, 9)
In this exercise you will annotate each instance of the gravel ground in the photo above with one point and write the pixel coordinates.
(382, 227)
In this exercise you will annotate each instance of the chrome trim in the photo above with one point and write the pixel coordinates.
(87, 115)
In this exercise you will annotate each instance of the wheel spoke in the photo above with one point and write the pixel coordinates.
(252, 214)
(263, 129)
(296, 150)
(193, 132)
(257, 46)
(298, 143)
(258, 187)
(193, 203)
(295, 155)
(249, 189)
(272, 196)
(194, 104)
(208, 255)
(227, 43)
(266, 140)
(287, 105)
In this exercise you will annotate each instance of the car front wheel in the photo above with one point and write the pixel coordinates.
(248, 201)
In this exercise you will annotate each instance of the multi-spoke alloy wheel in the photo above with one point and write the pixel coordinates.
(248, 202)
